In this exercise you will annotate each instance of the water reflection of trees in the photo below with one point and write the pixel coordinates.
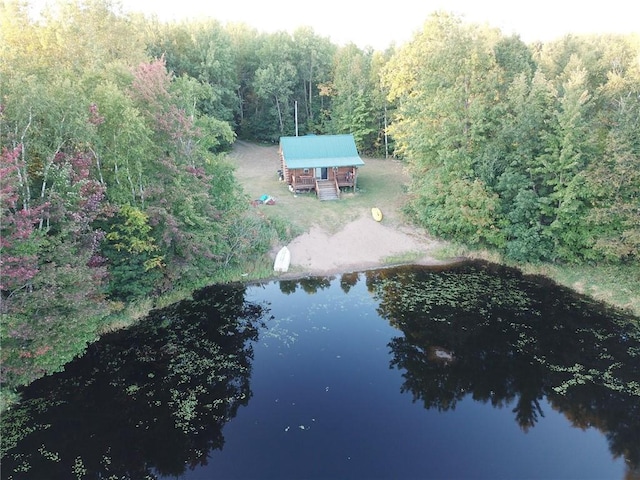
(508, 340)
(312, 285)
(309, 285)
(149, 400)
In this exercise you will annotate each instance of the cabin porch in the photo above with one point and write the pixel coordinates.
(305, 179)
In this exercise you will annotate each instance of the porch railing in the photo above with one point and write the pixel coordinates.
(303, 182)
(345, 179)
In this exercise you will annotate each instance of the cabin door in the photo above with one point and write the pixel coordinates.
(322, 173)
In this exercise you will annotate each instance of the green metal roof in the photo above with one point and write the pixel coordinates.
(314, 151)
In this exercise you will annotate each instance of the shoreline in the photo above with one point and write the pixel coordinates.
(298, 275)
(362, 244)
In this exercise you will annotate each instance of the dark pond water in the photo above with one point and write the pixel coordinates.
(468, 372)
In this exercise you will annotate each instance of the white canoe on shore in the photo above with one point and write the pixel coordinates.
(283, 258)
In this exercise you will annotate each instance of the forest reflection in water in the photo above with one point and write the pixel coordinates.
(152, 401)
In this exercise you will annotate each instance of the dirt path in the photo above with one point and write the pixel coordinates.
(340, 236)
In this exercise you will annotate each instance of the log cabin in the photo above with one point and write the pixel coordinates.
(321, 163)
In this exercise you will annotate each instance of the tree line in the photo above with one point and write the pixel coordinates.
(533, 150)
(114, 127)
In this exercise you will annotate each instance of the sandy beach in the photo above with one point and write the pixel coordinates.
(362, 244)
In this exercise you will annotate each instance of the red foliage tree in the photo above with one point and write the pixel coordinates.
(151, 89)
(18, 235)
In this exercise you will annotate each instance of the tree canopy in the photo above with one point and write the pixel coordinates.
(521, 148)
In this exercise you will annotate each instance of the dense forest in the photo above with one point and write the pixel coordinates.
(107, 120)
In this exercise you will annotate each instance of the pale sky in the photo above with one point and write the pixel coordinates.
(380, 23)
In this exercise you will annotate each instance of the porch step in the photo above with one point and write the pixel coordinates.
(327, 190)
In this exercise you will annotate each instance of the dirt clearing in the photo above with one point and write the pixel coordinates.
(340, 235)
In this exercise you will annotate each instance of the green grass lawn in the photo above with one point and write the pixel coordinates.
(381, 183)
(614, 284)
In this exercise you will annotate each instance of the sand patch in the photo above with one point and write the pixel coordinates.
(361, 244)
